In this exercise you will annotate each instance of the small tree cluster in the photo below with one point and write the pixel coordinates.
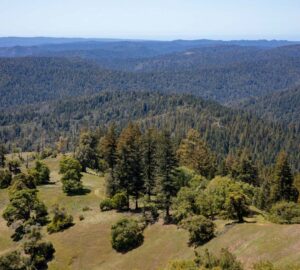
(118, 202)
(24, 208)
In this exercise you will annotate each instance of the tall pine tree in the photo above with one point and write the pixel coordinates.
(129, 163)
(167, 172)
(108, 151)
(282, 187)
(150, 160)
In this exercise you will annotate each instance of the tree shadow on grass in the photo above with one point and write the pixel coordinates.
(80, 192)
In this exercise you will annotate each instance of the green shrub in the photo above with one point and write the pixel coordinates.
(126, 235)
(12, 261)
(201, 229)
(106, 205)
(119, 201)
(60, 221)
(5, 178)
(150, 214)
(225, 261)
(41, 173)
(264, 265)
(285, 213)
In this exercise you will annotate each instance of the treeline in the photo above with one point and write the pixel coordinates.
(224, 130)
(185, 182)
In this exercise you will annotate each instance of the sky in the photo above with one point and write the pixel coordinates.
(152, 19)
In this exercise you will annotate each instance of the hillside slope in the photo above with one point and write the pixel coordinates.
(283, 106)
(31, 127)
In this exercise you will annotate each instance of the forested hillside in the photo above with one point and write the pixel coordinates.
(225, 130)
(283, 106)
(223, 74)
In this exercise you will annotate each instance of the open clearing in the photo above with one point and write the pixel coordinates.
(86, 245)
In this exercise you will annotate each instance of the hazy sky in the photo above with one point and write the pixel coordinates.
(152, 19)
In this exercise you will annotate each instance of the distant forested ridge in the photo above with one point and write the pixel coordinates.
(283, 106)
(226, 78)
(225, 130)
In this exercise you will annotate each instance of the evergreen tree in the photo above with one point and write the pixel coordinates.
(129, 163)
(150, 160)
(282, 187)
(86, 153)
(167, 172)
(108, 146)
(2, 155)
(242, 168)
(108, 150)
(194, 154)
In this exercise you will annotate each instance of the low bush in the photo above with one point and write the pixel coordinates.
(201, 229)
(126, 235)
(285, 213)
(106, 205)
(118, 201)
(60, 221)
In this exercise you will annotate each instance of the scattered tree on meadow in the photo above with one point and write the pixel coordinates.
(86, 152)
(41, 173)
(70, 169)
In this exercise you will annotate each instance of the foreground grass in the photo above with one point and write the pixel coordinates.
(86, 245)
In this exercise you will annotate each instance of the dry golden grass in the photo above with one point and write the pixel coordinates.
(86, 245)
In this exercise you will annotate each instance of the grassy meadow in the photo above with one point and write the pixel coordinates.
(86, 245)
